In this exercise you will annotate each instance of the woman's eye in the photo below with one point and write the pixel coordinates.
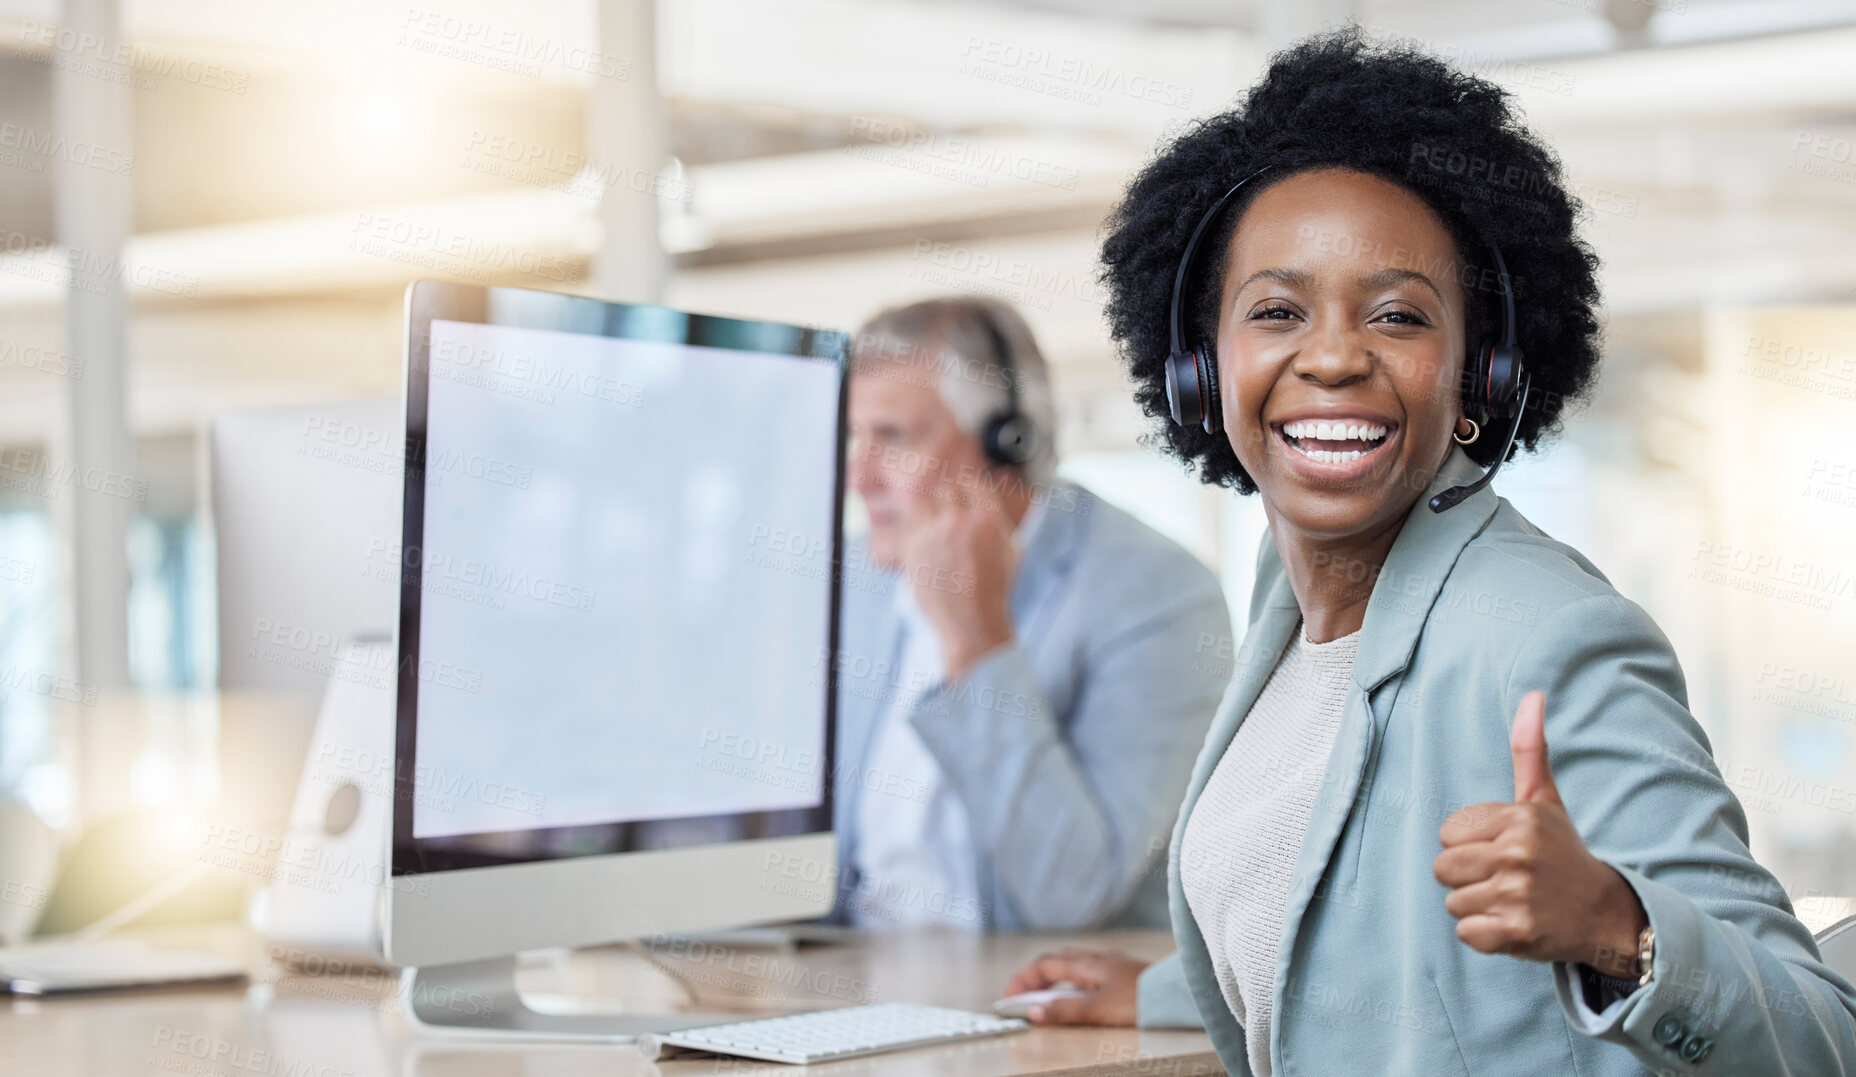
(1404, 317)
(1273, 314)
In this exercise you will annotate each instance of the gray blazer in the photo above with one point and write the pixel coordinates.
(1474, 608)
(1069, 748)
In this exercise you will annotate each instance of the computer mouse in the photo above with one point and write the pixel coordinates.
(1020, 1005)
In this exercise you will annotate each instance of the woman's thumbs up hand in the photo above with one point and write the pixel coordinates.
(1521, 879)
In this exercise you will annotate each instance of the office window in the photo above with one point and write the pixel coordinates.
(173, 636)
(30, 769)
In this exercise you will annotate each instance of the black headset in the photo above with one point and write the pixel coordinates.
(1494, 380)
(1008, 439)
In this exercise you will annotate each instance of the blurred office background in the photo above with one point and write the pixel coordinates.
(213, 206)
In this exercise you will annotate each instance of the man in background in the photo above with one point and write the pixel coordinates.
(1024, 672)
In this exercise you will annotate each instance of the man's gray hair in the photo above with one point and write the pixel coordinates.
(954, 341)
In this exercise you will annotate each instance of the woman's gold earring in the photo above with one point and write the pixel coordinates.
(1475, 431)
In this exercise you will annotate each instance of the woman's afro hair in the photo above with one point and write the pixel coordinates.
(1338, 100)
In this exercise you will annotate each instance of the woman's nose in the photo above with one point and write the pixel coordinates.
(1334, 355)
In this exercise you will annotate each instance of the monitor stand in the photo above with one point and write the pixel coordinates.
(479, 998)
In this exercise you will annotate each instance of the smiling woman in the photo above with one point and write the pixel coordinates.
(1319, 342)
(1380, 865)
(1448, 148)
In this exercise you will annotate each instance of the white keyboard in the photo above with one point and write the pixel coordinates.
(829, 1035)
(62, 966)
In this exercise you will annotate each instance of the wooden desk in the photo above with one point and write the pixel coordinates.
(285, 1024)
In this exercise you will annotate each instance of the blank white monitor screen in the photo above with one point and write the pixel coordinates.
(597, 606)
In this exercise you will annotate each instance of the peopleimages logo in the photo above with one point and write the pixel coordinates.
(43, 360)
(504, 48)
(446, 574)
(527, 376)
(966, 160)
(117, 61)
(33, 472)
(178, 1051)
(1072, 78)
(421, 243)
(46, 145)
(49, 685)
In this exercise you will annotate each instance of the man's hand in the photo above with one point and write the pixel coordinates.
(1108, 977)
(1522, 881)
(961, 562)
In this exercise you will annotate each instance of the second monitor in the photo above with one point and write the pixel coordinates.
(590, 628)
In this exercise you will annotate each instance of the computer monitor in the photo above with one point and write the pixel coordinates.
(619, 584)
(305, 499)
(306, 507)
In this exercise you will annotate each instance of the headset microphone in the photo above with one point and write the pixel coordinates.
(1504, 384)
(1451, 497)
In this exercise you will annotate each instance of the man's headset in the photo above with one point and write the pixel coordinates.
(1494, 380)
(1009, 439)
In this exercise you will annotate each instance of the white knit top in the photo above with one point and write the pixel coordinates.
(1246, 829)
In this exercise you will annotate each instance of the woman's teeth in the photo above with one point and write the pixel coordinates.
(1334, 431)
(1328, 457)
(1345, 441)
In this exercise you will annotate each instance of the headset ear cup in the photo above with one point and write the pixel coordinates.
(1504, 377)
(1207, 364)
(1010, 441)
(1182, 388)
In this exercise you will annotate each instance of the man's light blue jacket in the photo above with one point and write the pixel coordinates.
(1474, 608)
(1070, 747)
